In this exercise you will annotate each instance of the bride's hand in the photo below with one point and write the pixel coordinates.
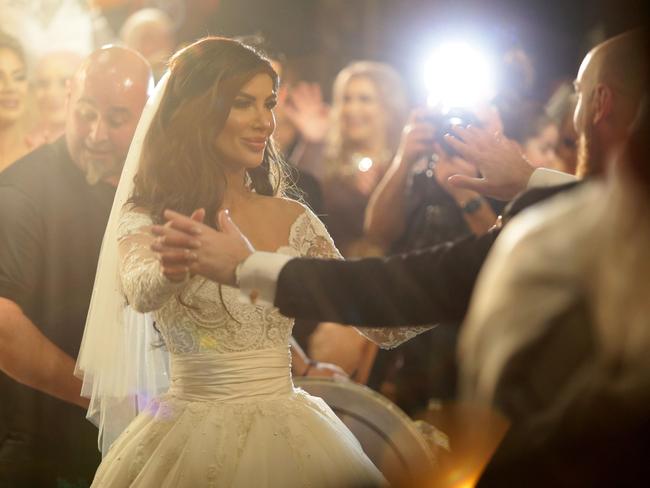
(186, 245)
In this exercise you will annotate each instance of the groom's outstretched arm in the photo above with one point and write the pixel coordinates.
(422, 287)
(430, 286)
(425, 287)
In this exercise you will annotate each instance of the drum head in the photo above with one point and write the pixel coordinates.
(387, 435)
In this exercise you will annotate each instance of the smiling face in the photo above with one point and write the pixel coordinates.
(106, 99)
(244, 138)
(50, 86)
(13, 87)
(363, 116)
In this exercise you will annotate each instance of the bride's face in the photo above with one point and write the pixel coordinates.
(243, 139)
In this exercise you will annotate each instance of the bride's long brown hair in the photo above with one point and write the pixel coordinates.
(179, 167)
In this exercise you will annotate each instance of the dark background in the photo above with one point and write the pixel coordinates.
(320, 37)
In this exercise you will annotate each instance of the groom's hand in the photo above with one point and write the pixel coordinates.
(504, 171)
(187, 244)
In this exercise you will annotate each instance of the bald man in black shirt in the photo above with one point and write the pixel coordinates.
(54, 205)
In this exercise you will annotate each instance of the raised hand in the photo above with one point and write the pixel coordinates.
(186, 245)
(305, 108)
(504, 171)
(417, 139)
(448, 166)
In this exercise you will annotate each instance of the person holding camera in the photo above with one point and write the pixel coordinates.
(415, 207)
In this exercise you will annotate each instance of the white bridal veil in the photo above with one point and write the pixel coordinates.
(119, 362)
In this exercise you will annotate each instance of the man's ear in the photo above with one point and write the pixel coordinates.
(603, 103)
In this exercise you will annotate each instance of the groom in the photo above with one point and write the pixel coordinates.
(54, 205)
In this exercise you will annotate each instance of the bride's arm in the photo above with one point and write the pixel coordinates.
(143, 283)
(317, 243)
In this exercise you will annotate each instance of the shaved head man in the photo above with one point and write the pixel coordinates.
(609, 87)
(106, 97)
(54, 205)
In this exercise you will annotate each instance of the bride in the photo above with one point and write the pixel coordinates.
(227, 414)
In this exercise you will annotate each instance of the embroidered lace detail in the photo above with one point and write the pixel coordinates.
(393, 337)
(145, 287)
(311, 239)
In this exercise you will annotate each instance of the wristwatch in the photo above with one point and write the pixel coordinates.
(471, 206)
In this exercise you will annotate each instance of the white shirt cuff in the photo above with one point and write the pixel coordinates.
(543, 177)
(258, 277)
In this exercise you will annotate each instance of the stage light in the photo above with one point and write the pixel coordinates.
(458, 76)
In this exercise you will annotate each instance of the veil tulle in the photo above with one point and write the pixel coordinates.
(120, 365)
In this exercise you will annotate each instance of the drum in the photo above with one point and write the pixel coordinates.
(388, 436)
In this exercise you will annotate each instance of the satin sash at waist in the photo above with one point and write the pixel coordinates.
(232, 377)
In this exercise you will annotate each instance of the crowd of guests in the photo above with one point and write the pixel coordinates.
(373, 167)
(360, 163)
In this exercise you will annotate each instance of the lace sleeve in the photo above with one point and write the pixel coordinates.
(145, 287)
(317, 243)
(313, 239)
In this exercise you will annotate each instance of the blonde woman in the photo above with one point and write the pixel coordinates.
(350, 145)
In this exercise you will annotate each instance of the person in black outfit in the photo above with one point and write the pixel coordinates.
(54, 205)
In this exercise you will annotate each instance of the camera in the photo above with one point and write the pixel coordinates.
(444, 120)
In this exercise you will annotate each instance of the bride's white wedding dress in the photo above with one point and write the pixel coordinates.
(232, 417)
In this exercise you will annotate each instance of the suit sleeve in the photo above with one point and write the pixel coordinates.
(430, 286)
(419, 288)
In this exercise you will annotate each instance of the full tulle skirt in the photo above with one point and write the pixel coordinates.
(274, 436)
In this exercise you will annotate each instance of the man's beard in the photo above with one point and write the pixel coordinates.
(99, 170)
(590, 157)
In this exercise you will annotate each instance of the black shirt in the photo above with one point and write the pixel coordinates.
(51, 227)
(432, 215)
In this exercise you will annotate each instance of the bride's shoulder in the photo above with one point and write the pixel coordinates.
(285, 209)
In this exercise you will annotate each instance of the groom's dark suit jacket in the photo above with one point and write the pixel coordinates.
(429, 286)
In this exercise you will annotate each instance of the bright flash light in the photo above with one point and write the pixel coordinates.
(458, 75)
(365, 164)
